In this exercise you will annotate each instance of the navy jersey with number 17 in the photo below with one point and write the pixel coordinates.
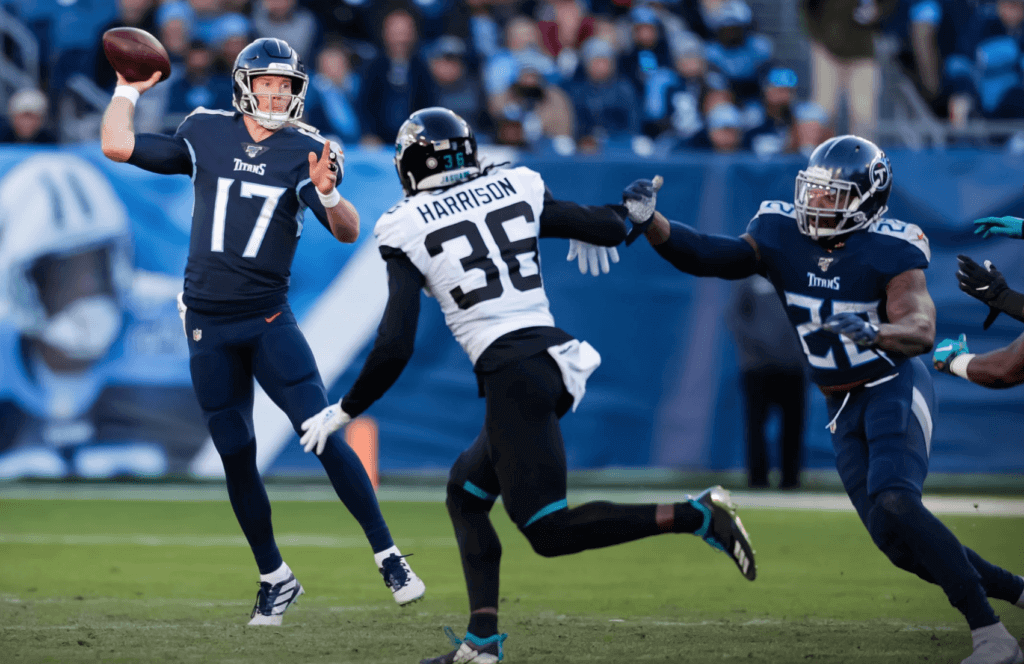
(815, 283)
(250, 199)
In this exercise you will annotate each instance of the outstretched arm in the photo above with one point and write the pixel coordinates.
(998, 369)
(603, 225)
(911, 311)
(396, 336)
(703, 255)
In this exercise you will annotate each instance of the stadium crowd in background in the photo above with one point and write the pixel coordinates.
(546, 75)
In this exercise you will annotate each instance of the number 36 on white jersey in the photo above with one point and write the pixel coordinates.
(476, 246)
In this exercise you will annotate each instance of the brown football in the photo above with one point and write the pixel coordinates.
(135, 54)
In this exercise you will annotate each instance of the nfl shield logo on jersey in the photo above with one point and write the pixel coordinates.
(252, 151)
(824, 262)
(197, 334)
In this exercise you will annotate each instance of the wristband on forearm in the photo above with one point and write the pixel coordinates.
(127, 92)
(958, 365)
(329, 200)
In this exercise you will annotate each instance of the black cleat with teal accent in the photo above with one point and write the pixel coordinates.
(723, 530)
(471, 650)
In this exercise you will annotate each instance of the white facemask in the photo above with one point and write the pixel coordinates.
(85, 329)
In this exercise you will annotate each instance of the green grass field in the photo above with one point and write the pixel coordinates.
(146, 581)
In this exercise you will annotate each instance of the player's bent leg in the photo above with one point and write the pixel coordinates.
(286, 369)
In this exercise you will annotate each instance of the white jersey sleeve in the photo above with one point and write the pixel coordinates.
(476, 246)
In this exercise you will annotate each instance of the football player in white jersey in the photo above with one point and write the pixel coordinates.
(468, 235)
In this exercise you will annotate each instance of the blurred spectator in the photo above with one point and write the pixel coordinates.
(772, 374)
(358, 20)
(200, 85)
(564, 26)
(200, 19)
(438, 18)
(988, 67)
(725, 128)
(333, 91)
(521, 36)
(456, 89)
(672, 96)
(508, 128)
(27, 113)
(395, 83)
(542, 108)
(742, 56)
(284, 19)
(772, 135)
(605, 102)
(714, 92)
(811, 127)
(174, 26)
(842, 36)
(484, 30)
(648, 52)
(139, 14)
(232, 35)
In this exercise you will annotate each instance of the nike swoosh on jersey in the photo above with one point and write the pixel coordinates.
(272, 318)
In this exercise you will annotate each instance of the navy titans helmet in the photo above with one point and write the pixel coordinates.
(435, 148)
(844, 188)
(268, 57)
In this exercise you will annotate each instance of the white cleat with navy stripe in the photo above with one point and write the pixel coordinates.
(273, 600)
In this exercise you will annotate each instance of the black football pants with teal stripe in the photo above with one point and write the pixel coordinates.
(520, 455)
(226, 353)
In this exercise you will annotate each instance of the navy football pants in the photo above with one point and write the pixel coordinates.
(226, 353)
(882, 443)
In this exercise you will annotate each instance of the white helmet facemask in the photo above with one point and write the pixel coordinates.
(247, 101)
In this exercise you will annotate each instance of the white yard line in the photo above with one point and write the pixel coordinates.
(827, 502)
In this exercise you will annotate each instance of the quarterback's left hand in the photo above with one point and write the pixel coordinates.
(853, 327)
(327, 171)
(946, 350)
(595, 256)
(319, 427)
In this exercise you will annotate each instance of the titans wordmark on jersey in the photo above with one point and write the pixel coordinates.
(815, 283)
(247, 216)
(476, 246)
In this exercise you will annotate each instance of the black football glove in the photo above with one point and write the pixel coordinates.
(988, 285)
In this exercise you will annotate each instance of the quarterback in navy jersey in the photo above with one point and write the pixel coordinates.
(256, 170)
(853, 286)
(468, 235)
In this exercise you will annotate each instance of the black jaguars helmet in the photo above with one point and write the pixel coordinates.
(858, 176)
(268, 57)
(435, 148)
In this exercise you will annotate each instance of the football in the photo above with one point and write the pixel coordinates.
(135, 54)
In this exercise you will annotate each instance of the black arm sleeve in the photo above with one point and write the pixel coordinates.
(396, 335)
(157, 153)
(1011, 303)
(312, 201)
(603, 225)
(708, 255)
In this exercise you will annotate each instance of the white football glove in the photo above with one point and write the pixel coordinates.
(598, 258)
(319, 427)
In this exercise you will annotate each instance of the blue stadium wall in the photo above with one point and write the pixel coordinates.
(666, 394)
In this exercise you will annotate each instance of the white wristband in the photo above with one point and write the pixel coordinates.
(331, 199)
(128, 92)
(958, 365)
